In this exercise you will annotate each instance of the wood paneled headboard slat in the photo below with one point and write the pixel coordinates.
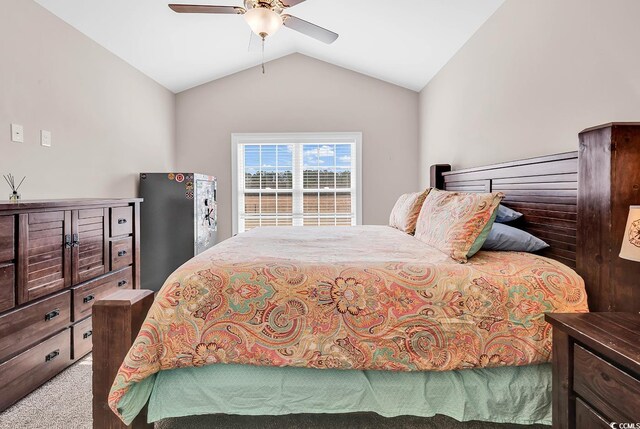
(543, 189)
(552, 178)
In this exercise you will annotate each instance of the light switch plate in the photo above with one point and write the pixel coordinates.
(17, 133)
(45, 138)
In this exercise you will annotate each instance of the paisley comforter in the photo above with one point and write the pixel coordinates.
(368, 297)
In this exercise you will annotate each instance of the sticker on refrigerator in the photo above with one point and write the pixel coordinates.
(171, 176)
(189, 186)
(189, 195)
(179, 177)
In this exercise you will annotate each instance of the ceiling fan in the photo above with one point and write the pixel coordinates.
(265, 17)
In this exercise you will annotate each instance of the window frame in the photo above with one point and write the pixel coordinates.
(237, 139)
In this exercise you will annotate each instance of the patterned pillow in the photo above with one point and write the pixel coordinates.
(405, 213)
(457, 223)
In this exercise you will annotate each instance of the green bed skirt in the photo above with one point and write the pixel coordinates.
(518, 395)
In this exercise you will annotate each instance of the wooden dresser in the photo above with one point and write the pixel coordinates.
(56, 259)
(596, 370)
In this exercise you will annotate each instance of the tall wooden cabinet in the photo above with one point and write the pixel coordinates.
(56, 259)
(609, 182)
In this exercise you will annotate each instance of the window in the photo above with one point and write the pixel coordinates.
(296, 180)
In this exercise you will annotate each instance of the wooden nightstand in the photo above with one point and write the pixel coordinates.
(596, 369)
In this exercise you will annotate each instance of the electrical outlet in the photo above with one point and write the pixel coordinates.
(45, 138)
(17, 133)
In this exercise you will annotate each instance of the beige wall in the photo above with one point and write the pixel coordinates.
(301, 94)
(537, 73)
(109, 121)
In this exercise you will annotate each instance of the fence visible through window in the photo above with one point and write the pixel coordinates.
(296, 184)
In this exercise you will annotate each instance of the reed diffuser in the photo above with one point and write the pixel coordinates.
(11, 181)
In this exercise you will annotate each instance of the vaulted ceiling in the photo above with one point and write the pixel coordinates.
(404, 42)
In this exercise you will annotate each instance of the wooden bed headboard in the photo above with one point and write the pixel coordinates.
(543, 189)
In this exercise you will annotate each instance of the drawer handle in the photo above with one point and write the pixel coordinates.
(122, 253)
(51, 356)
(67, 241)
(52, 315)
(88, 298)
(122, 283)
(122, 221)
(76, 241)
(87, 335)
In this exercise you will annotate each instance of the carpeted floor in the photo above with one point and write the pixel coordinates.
(62, 403)
(65, 403)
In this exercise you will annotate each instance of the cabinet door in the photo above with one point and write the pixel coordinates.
(7, 240)
(44, 259)
(89, 241)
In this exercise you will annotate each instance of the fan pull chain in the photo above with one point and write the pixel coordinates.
(263, 72)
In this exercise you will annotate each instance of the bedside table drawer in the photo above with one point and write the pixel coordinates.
(608, 389)
(586, 417)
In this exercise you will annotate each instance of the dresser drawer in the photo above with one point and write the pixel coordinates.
(606, 388)
(28, 370)
(85, 295)
(121, 221)
(7, 286)
(82, 335)
(7, 238)
(23, 327)
(121, 253)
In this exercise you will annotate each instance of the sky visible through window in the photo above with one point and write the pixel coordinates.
(313, 155)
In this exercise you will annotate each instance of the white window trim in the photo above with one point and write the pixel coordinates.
(320, 138)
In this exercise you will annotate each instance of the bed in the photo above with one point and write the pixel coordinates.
(372, 307)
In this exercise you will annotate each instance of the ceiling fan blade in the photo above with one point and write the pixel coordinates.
(290, 3)
(309, 29)
(194, 8)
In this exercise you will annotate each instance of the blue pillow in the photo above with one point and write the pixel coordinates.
(507, 238)
(505, 214)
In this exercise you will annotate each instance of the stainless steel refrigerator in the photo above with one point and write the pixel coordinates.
(178, 220)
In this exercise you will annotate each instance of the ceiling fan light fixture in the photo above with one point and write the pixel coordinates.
(264, 22)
